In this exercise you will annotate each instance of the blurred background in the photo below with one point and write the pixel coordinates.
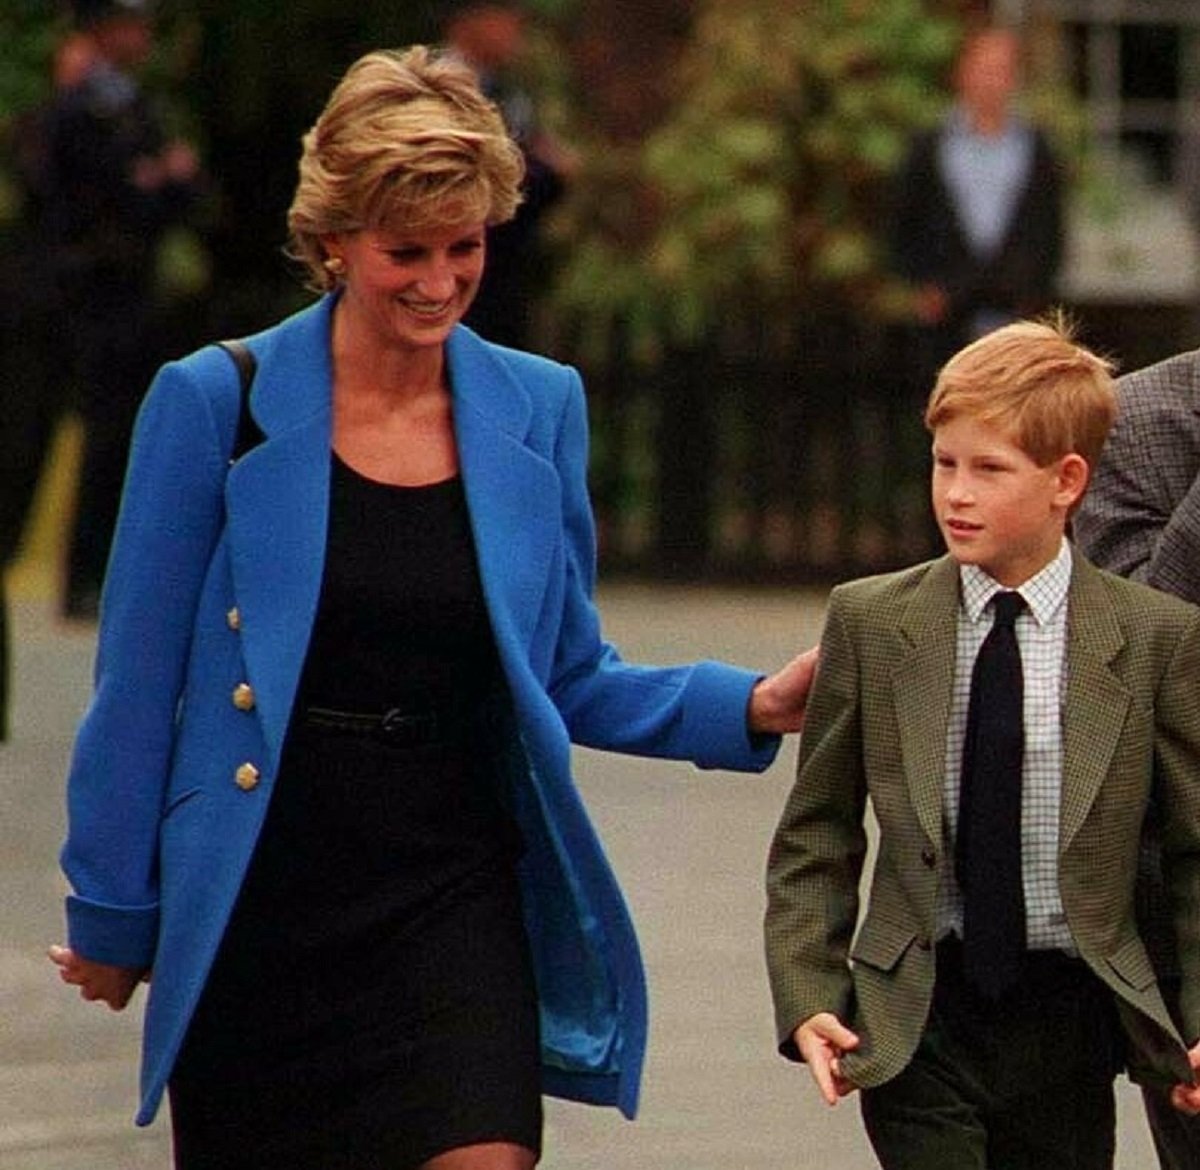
(717, 264)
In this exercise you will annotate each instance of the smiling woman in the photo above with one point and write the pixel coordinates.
(400, 177)
(338, 823)
(405, 291)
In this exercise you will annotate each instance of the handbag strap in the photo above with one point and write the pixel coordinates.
(249, 433)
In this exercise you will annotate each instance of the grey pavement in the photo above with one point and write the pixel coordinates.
(687, 845)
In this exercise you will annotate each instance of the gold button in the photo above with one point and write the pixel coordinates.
(246, 777)
(234, 619)
(243, 697)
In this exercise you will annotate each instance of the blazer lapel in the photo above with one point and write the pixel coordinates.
(922, 683)
(277, 503)
(1096, 699)
(277, 500)
(513, 492)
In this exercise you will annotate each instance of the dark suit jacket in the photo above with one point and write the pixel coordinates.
(876, 727)
(1141, 514)
(1141, 518)
(928, 245)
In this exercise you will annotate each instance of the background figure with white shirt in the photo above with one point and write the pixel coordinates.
(976, 223)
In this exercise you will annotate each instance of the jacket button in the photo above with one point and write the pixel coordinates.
(928, 857)
(243, 697)
(246, 777)
(234, 619)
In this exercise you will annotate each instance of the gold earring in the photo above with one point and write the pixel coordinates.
(335, 266)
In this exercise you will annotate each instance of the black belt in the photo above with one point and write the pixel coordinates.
(395, 726)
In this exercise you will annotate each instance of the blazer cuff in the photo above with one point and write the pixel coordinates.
(122, 936)
(715, 714)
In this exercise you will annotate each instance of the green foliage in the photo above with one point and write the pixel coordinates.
(29, 30)
(760, 190)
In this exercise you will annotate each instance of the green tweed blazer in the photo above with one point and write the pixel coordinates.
(876, 728)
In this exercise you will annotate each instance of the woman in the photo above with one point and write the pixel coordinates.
(323, 788)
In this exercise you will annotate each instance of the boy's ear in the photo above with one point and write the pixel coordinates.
(1073, 474)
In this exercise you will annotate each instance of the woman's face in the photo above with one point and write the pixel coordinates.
(409, 289)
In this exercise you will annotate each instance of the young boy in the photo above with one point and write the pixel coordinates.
(997, 981)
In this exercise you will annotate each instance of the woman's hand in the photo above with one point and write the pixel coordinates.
(777, 703)
(114, 985)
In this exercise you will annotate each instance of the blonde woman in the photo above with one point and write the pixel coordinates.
(322, 795)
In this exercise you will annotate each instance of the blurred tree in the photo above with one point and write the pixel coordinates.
(719, 265)
(29, 30)
(757, 192)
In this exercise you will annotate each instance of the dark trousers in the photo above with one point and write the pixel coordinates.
(117, 357)
(34, 388)
(1024, 1083)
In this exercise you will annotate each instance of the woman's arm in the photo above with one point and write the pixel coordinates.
(170, 519)
(708, 712)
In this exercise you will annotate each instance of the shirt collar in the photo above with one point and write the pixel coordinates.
(958, 125)
(1044, 592)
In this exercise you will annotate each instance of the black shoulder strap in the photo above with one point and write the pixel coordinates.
(249, 434)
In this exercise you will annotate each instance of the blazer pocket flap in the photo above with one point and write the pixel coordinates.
(881, 944)
(1132, 965)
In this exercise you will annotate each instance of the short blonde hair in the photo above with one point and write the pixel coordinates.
(406, 141)
(1050, 395)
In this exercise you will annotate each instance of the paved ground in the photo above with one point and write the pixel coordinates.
(689, 848)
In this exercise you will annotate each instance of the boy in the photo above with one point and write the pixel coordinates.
(998, 980)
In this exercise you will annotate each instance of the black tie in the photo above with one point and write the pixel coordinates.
(988, 849)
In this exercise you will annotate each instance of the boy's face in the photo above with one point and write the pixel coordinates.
(995, 506)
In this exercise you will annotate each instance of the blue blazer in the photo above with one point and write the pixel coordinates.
(214, 581)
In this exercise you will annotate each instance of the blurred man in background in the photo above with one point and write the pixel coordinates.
(977, 222)
(112, 182)
(489, 36)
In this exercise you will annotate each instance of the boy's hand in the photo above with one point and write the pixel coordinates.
(821, 1040)
(114, 985)
(1186, 1098)
(777, 703)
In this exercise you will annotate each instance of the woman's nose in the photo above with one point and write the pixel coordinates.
(437, 282)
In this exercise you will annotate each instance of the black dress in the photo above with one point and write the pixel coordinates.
(372, 1003)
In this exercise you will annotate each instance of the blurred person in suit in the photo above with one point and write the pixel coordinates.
(489, 35)
(976, 211)
(1141, 519)
(974, 222)
(112, 182)
(36, 382)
